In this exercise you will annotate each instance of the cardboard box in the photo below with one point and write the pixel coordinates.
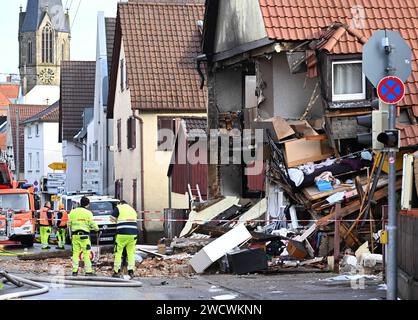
(310, 147)
(277, 127)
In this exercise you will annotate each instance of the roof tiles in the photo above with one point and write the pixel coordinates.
(161, 43)
(77, 93)
(300, 20)
(25, 112)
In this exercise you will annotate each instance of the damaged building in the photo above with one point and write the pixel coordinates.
(295, 74)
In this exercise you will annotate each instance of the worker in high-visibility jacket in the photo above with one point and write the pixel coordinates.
(46, 222)
(61, 224)
(80, 222)
(126, 237)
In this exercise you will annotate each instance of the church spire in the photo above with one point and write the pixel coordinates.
(35, 11)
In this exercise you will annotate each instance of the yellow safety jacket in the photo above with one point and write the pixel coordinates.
(126, 220)
(81, 219)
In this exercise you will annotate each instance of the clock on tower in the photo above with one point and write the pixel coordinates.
(47, 76)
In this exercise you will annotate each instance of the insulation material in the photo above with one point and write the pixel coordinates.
(219, 247)
(255, 212)
(208, 213)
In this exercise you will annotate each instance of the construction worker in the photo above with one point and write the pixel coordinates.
(127, 234)
(80, 222)
(45, 225)
(61, 224)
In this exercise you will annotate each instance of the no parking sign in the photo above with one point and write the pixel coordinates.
(391, 90)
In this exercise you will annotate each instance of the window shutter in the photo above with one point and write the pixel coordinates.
(119, 135)
(168, 124)
(134, 193)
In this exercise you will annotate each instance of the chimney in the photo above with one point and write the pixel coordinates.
(9, 78)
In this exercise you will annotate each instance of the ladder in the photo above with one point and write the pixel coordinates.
(193, 197)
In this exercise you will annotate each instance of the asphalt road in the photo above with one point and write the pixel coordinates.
(300, 286)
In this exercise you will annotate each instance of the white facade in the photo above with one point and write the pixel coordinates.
(72, 154)
(41, 149)
(100, 130)
(42, 95)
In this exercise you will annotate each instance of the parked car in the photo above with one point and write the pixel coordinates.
(102, 208)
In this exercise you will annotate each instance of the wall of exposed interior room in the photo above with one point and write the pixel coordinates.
(239, 22)
(287, 95)
(228, 90)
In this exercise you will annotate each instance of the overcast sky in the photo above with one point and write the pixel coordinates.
(83, 33)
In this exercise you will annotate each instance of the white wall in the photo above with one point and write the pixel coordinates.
(46, 145)
(42, 95)
(73, 155)
(34, 144)
(102, 129)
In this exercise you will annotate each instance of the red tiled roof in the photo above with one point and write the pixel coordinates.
(4, 101)
(25, 112)
(50, 114)
(161, 43)
(77, 93)
(11, 91)
(409, 134)
(298, 20)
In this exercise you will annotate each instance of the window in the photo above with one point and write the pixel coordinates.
(90, 153)
(122, 74)
(131, 125)
(29, 132)
(30, 52)
(165, 133)
(47, 44)
(119, 133)
(348, 81)
(37, 130)
(30, 161)
(38, 161)
(63, 51)
(134, 193)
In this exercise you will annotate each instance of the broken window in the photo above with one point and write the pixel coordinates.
(348, 81)
(131, 124)
(165, 133)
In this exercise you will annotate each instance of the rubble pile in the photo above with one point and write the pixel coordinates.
(315, 198)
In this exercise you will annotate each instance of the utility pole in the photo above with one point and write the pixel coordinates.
(387, 61)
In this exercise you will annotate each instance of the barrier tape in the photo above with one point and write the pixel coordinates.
(217, 220)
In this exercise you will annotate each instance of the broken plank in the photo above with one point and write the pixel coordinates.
(310, 159)
(311, 261)
(355, 205)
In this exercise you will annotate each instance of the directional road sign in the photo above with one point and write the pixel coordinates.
(391, 90)
(58, 166)
(386, 49)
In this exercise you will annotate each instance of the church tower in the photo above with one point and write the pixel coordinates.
(44, 41)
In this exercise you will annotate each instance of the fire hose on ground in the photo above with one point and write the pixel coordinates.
(88, 281)
(64, 280)
(18, 281)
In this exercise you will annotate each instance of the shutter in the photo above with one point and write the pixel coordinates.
(134, 193)
(133, 133)
(119, 136)
(168, 124)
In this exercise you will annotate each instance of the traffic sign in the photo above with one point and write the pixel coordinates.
(55, 184)
(58, 166)
(57, 176)
(386, 54)
(391, 90)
